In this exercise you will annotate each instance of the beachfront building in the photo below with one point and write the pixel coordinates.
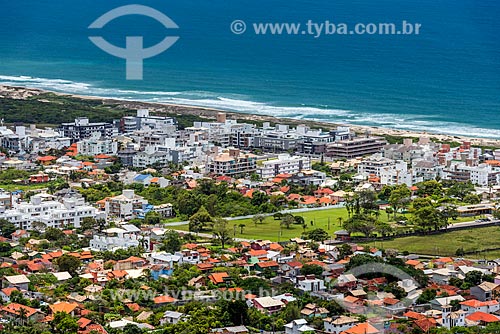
(355, 147)
(284, 164)
(481, 174)
(232, 162)
(96, 145)
(143, 120)
(82, 128)
(40, 140)
(44, 209)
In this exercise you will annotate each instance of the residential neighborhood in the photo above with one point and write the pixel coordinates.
(145, 226)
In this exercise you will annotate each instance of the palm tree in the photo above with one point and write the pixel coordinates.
(241, 226)
(22, 315)
(340, 219)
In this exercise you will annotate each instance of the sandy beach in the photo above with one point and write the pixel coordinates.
(210, 113)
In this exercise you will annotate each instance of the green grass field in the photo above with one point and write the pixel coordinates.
(23, 187)
(272, 230)
(474, 240)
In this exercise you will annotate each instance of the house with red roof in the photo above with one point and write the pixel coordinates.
(482, 319)
(5, 294)
(474, 305)
(164, 300)
(267, 265)
(14, 311)
(219, 278)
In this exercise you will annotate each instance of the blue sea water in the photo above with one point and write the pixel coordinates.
(446, 80)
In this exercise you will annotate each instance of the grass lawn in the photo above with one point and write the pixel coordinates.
(23, 187)
(446, 244)
(270, 229)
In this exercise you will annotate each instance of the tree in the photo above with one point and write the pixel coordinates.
(299, 220)
(241, 226)
(200, 220)
(472, 199)
(152, 218)
(258, 219)
(389, 211)
(6, 228)
(344, 251)
(221, 231)
(426, 296)
(259, 198)
(473, 278)
(88, 223)
(68, 263)
(287, 221)
(318, 235)
(64, 323)
(54, 234)
(430, 188)
(367, 201)
(460, 190)
(399, 198)
(361, 223)
(428, 217)
(383, 228)
(171, 242)
(311, 269)
(131, 329)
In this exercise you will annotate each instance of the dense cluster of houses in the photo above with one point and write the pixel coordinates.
(451, 306)
(269, 159)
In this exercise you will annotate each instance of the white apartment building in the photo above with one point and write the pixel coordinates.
(123, 206)
(120, 238)
(232, 163)
(151, 156)
(143, 120)
(97, 145)
(49, 212)
(399, 174)
(374, 165)
(284, 164)
(482, 175)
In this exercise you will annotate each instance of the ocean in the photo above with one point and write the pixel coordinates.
(444, 80)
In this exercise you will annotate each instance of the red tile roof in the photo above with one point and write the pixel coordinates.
(482, 317)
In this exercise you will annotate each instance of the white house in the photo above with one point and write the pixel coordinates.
(339, 324)
(310, 283)
(297, 327)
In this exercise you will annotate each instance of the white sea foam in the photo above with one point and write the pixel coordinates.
(238, 103)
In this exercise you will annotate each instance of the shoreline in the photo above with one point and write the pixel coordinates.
(23, 93)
